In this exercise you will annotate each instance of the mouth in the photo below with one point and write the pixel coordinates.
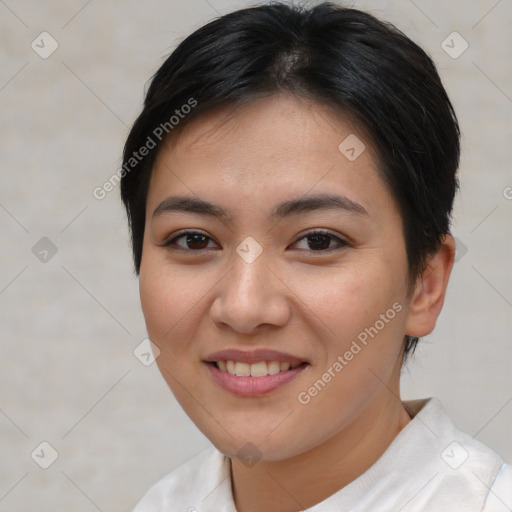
(253, 379)
(258, 370)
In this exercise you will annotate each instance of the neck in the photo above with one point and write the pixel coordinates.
(309, 478)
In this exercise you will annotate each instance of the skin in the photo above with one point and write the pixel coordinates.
(292, 298)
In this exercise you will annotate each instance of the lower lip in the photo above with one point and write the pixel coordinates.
(252, 386)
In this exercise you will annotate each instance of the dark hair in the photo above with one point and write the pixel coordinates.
(342, 57)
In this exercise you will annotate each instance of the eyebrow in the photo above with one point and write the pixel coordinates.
(282, 210)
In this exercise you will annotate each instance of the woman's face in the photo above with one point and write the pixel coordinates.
(258, 282)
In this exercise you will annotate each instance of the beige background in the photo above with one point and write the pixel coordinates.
(69, 325)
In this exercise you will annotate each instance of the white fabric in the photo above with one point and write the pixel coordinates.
(500, 494)
(431, 466)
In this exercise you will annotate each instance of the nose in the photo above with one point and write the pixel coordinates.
(251, 297)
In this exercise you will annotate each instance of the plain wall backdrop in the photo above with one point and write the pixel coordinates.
(69, 305)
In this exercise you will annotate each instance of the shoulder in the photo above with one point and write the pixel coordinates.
(189, 484)
(499, 498)
(469, 475)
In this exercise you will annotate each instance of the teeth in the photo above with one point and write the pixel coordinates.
(230, 365)
(260, 369)
(273, 367)
(243, 369)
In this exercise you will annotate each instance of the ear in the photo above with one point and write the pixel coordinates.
(428, 295)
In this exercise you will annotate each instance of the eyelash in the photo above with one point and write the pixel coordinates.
(342, 243)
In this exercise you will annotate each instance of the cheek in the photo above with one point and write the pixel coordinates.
(174, 300)
(347, 299)
(156, 302)
(164, 295)
(168, 299)
(359, 317)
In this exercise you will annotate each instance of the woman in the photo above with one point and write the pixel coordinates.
(289, 186)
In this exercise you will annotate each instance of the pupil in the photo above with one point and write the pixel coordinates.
(193, 239)
(316, 238)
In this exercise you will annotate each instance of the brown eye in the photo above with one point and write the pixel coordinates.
(195, 241)
(190, 241)
(320, 241)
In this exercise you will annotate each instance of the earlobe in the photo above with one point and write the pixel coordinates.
(428, 296)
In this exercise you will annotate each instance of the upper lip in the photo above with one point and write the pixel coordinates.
(252, 356)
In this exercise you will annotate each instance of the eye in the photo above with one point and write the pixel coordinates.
(196, 241)
(320, 240)
(192, 241)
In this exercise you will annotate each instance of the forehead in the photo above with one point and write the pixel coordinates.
(282, 124)
(268, 149)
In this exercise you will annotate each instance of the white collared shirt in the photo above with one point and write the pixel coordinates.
(430, 466)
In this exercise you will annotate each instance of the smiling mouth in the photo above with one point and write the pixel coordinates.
(259, 369)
